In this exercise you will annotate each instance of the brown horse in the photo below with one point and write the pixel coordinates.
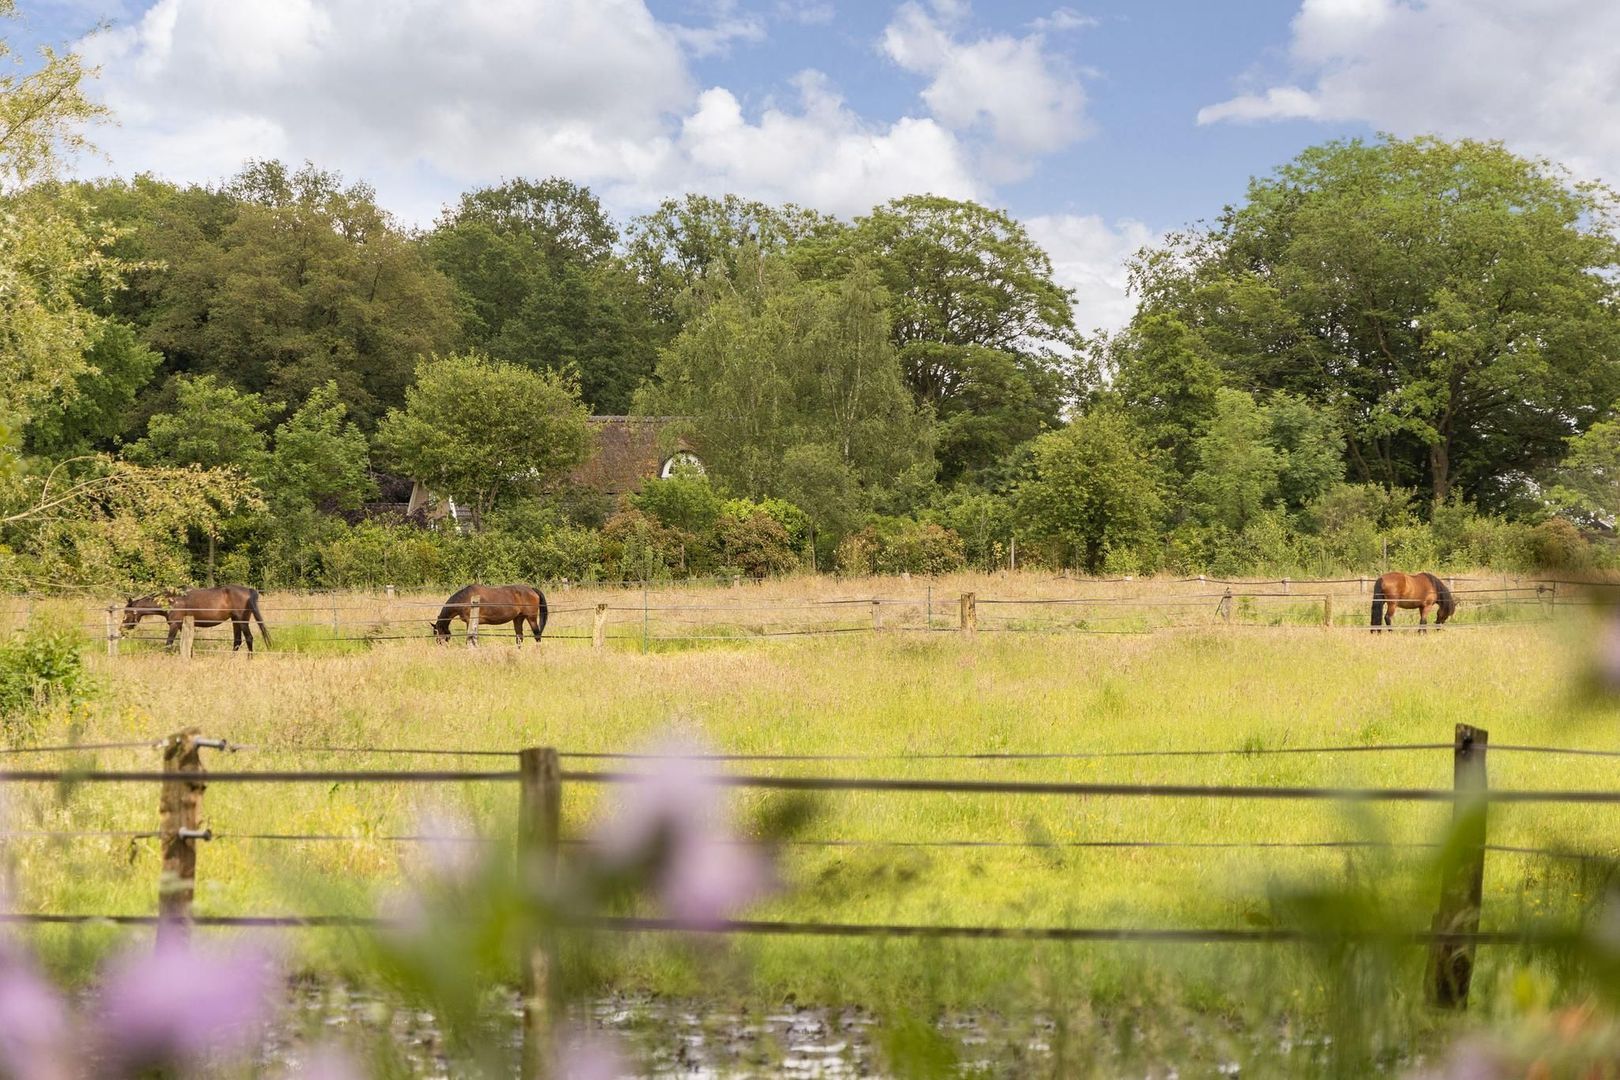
(207, 607)
(1421, 591)
(497, 604)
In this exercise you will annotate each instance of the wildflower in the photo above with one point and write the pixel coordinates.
(180, 1005)
(588, 1055)
(33, 1022)
(674, 818)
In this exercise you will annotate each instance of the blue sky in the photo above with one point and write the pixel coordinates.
(1101, 124)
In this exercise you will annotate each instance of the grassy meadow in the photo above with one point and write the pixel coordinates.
(896, 692)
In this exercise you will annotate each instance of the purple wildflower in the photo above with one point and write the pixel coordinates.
(590, 1055)
(677, 814)
(33, 1022)
(179, 1005)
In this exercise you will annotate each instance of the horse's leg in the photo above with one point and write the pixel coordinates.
(1423, 619)
(174, 629)
(236, 635)
(247, 632)
(517, 628)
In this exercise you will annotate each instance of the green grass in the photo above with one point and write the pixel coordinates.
(886, 694)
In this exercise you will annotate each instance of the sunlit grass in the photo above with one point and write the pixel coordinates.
(887, 693)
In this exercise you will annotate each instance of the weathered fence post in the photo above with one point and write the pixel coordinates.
(877, 614)
(335, 631)
(112, 630)
(539, 825)
(1285, 586)
(1462, 886)
(1327, 609)
(188, 636)
(179, 828)
(388, 592)
(599, 627)
(1226, 606)
(644, 617)
(970, 613)
(472, 624)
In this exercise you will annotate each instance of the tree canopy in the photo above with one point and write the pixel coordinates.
(1454, 305)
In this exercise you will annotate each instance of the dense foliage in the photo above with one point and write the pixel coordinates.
(1392, 352)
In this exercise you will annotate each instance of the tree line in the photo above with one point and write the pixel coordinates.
(1391, 350)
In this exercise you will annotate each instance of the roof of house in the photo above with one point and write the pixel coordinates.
(629, 451)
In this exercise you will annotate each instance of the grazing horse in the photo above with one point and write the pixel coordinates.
(497, 604)
(1421, 591)
(207, 607)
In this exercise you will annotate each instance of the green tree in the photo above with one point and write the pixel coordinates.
(49, 249)
(539, 285)
(1238, 470)
(279, 282)
(1093, 490)
(213, 426)
(476, 429)
(771, 364)
(1453, 304)
(1167, 383)
(1586, 484)
(97, 412)
(685, 240)
(320, 459)
(984, 333)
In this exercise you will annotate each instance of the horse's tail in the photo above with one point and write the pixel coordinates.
(253, 607)
(1448, 602)
(541, 612)
(1377, 601)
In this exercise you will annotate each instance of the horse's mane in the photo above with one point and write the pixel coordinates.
(1448, 602)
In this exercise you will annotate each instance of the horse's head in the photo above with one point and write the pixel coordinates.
(137, 609)
(441, 631)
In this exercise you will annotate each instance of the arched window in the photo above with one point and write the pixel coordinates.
(681, 461)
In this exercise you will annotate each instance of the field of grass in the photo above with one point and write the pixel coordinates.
(889, 693)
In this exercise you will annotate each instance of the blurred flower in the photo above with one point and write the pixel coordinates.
(1470, 1059)
(177, 1004)
(675, 818)
(33, 1021)
(590, 1055)
(708, 879)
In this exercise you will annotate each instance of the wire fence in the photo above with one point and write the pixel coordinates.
(1462, 928)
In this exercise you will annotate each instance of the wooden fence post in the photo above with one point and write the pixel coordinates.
(1226, 606)
(599, 627)
(472, 625)
(188, 636)
(179, 828)
(539, 825)
(112, 630)
(1285, 586)
(1462, 887)
(877, 614)
(928, 603)
(1327, 609)
(970, 613)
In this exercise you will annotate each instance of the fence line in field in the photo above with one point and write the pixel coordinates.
(542, 779)
(226, 745)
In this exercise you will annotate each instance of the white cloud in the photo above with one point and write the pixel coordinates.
(467, 90)
(1063, 19)
(448, 93)
(1089, 256)
(1022, 98)
(1543, 77)
(822, 154)
(726, 25)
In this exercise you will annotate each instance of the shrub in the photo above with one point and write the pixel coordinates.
(685, 502)
(41, 669)
(638, 548)
(755, 543)
(1558, 545)
(921, 549)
